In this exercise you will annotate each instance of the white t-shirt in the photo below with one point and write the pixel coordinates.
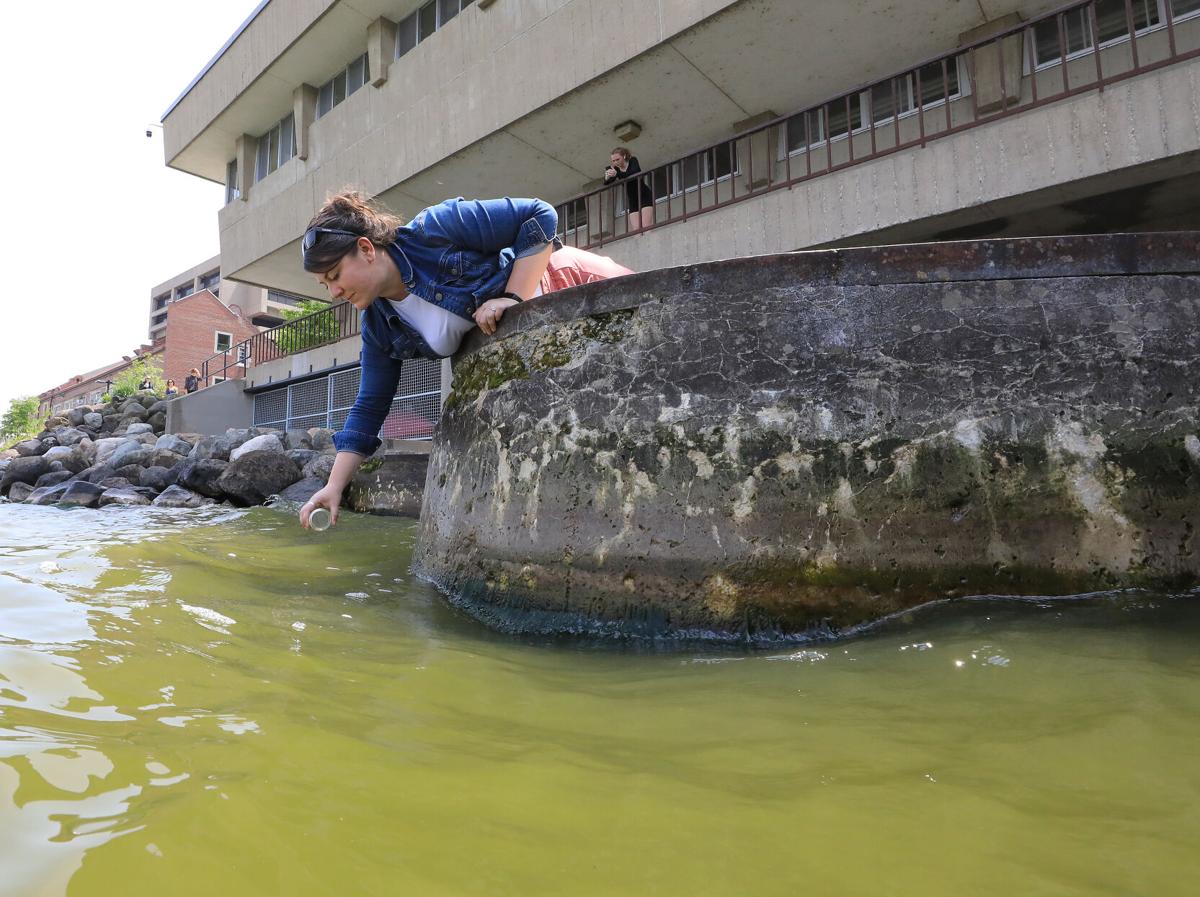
(443, 330)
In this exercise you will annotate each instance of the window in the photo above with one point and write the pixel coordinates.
(283, 298)
(231, 182)
(275, 147)
(1078, 32)
(425, 21)
(211, 282)
(223, 342)
(698, 170)
(161, 301)
(184, 289)
(898, 96)
(344, 83)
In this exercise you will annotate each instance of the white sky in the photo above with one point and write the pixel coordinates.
(94, 217)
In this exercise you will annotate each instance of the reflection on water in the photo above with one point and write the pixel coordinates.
(202, 702)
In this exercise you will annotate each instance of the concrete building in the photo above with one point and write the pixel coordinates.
(761, 125)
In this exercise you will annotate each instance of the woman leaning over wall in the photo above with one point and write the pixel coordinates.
(422, 286)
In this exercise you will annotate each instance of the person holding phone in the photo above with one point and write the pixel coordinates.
(639, 197)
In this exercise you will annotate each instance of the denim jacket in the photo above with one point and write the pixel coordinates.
(456, 255)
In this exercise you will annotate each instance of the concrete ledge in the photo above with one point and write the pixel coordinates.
(211, 410)
(789, 446)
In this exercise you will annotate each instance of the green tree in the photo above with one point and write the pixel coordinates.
(20, 421)
(319, 326)
(127, 382)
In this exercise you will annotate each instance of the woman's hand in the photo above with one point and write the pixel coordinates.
(328, 497)
(488, 315)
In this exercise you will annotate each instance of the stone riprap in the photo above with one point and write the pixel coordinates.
(801, 444)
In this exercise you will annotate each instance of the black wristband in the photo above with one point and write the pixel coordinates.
(510, 296)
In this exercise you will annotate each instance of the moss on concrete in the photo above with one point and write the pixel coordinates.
(488, 368)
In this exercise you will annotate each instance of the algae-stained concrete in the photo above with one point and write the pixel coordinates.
(798, 444)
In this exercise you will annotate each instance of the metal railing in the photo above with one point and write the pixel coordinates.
(329, 325)
(1073, 49)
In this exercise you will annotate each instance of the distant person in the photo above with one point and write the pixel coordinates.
(639, 197)
(146, 383)
(172, 389)
(192, 381)
(423, 286)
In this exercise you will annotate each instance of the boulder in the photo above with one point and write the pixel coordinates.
(53, 423)
(322, 440)
(9, 454)
(158, 421)
(29, 448)
(297, 439)
(74, 416)
(133, 411)
(93, 419)
(82, 493)
(69, 436)
(178, 497)
(131, 472)
(173, 443)
(19, 491)
(256, 475)
(319, 467)
(87, 448)
(122, 497)
(189, 438)
(110, 424)
(26, 469)
(114, 483)
(97, 473)
(71, 458)
(302, 490)
(302, 456)
(216, 448)
(156, 407)
(106, 447)
(159, 478)
(131, 453)
(164, 458)
(268, 442)
(202, 475)
(146, 439)
(238, 436)
(135, 428)
(49, 440)
(48, 495)
(53, 478)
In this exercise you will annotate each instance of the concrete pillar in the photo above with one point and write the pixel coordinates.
(381, 48)
(996, 66)
(244, 148)
(304, 109)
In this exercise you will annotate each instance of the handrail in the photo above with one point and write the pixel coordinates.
(740, 167)
(321, 328)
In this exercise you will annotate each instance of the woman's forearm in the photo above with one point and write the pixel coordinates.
(527, 272)
(344, 466)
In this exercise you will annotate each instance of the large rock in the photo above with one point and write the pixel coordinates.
(131, 472)
(216, 448)
(135, 428)
(81, 493)
(122, 496)
(256, 475)
(202, 476)
(164, 458)
(111, 424)
(19, 492)
(53, 478)
(26, 470)
(297, 439)
(173, 443)
(70, 457)
(48, 495)
(94, 420)
(159, 478)
(69, 435)
(320, 467)
(133, 411)
(302, 490)
(75, 416)
(134, 453)
(96, 473)
(268, 442)
(156, 407)
(106, 447)
(322, 440)
(115, 483)
(302, 456)
(30, 448)
(157, 420)
(178, 497)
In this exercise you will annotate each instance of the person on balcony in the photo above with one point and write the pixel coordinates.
(172, 389)
(192, 381)
(639, 197)
(422, 286)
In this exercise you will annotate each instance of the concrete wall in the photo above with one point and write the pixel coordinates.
(211, 410)
(798, 445)
(321, 358)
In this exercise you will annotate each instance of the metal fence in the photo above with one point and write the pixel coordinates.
(1076, 48)
(318, 329)
(326, 401)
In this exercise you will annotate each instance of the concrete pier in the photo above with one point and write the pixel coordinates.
(798, 444)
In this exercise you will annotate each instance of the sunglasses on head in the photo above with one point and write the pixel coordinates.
(313, 235)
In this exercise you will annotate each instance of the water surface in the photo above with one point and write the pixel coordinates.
(214, 702)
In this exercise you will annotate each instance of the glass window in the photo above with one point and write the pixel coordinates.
(1112, 23)
(261, 158)
(1112, 20)
(406, 35)
(223, 342)
(1184, 7)
(325, 98)
(339, 87)
(231, 182)
(447, 10)
(938, 84)
(843, 115)
(287, 138)
(356, 75)
(273, 148)
(427, 20)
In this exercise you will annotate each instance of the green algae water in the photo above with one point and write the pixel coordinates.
(215, 702)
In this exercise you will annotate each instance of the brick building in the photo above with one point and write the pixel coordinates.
(88, 388)
(197, 327)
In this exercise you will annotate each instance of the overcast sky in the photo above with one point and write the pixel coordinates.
(94, 217)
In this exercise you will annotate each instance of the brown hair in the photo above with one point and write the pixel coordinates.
(195, 372)
(350, 211)
(622, 152)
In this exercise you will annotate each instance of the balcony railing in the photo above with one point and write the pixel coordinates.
(1074, 49)
(321, 328)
